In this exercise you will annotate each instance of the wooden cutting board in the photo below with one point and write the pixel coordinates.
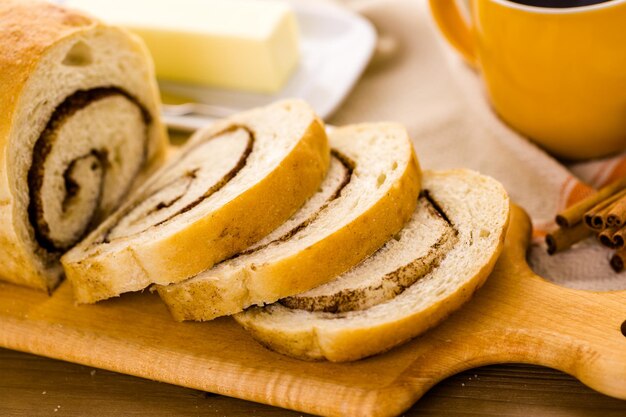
(515, 317)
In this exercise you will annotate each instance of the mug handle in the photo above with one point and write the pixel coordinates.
(454, 28)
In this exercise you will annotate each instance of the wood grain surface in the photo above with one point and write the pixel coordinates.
(516, 317)
(36, 386)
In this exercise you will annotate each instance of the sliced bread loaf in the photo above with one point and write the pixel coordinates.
(79, 128)
(428, 270)
(231, 185)
(368, 196)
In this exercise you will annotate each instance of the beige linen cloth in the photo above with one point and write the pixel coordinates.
(417, 80)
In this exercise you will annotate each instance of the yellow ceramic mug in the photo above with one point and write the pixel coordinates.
(557, 75)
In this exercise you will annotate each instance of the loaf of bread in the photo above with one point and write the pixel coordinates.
(79, 128)
(418, 278)
(369, 194)
(228, 187)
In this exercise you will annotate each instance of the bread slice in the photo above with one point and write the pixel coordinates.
(458, 227)
(349, 219)
(232, 184)
(79, 128)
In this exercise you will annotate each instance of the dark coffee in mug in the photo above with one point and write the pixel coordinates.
(559, 4)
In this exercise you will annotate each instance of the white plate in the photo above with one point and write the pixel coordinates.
(336, 45)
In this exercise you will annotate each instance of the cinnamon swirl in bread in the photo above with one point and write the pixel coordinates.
(79, 129)
(418, 278)
(369, 194)
(230, 185)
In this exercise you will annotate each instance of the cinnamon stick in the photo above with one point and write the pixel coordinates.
(605, 237)
(617, 214)
(575, 213)
(618, 260)
(596, 217)
(619, 238)
(563, 238)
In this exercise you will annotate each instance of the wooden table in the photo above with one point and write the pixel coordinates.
(36, 386)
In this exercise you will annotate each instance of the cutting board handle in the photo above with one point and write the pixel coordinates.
(576, 331)
(520, 317)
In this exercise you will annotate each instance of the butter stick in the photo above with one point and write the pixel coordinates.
(234, 44)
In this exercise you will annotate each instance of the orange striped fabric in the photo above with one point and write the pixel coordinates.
(619, 171)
